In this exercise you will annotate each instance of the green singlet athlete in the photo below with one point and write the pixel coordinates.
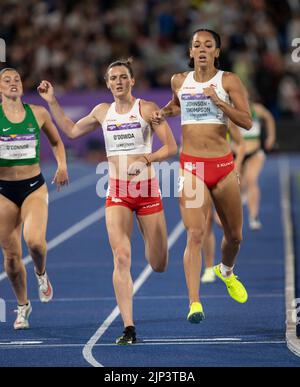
(23, 191)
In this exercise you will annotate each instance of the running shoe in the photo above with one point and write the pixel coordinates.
(45, 287)
(128, 337)
(208, 276)
(235, 288)
(255, 224)
(23, 313)
(196, 313)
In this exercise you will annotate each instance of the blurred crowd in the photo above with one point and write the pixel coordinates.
(71, 42)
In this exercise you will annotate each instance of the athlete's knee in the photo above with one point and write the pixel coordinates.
(122, 258)
(159, 265)
(252, 182)
(35, 245)
(12, 260)
(195, 236)
(234, 237)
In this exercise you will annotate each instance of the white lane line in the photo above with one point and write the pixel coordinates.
(67, 234)
(200, 343)
(145, 298)
(22, 343)
(269, 342)
(293, 343)
(88, 348)
(73, 187)
(161, 340)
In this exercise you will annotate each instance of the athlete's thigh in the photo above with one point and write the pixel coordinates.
(194, 200)
(154, 230)
(34, 213)
(10, 219)
(119, 224)
(227, 199)
(254, 166)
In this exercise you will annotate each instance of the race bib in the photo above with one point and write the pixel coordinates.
(125, 136)
(198, 107)
(18, 147)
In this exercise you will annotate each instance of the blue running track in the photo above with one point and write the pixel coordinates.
(80, 267)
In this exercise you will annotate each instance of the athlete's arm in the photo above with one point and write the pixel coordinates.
(172, 108)
(266, 115)
(71, 129)
(162, 130)
(61, 175)
(240, 145)
(239, 113)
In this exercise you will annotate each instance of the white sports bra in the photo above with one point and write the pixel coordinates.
(196, 108)
(126, 134)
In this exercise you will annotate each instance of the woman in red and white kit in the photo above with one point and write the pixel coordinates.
(206, 98)
(128, 132)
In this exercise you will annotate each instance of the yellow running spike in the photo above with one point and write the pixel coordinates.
(235, 288)
(196, 313)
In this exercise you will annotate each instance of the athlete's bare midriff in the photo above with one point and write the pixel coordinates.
(252, 145)
(19, 172)
(205, 140)
(118, 168)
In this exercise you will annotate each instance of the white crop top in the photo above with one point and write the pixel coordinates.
(196, 108)
(126, 134)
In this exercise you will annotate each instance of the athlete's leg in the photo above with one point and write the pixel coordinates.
(209, 249)
(119, 223)
(10, 241)
(194, 212)
(227, 198)
(209, 243)
(217, 219)
(251, 174)
(154, 231)
(35, 216)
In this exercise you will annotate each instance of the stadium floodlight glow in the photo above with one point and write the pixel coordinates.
(296, 52)
(2, 311)
(2, 50)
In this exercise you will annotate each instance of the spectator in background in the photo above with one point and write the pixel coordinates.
(82, 37)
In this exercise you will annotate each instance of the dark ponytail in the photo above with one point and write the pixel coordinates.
(217, 40)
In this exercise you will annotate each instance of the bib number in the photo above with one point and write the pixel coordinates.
(18, 147)
(124, 137)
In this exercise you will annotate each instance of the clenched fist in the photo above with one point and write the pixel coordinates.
(46, 91)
